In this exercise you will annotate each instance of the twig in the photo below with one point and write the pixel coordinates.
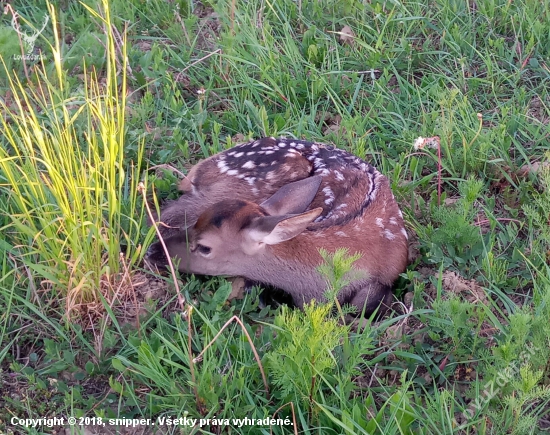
(141, 189)
(373, 374)
(293, 417)
(445, 360)
(256, 356)
(170, 168)
(196, 62)
(191, 360)
(486, 221)
(524, 63)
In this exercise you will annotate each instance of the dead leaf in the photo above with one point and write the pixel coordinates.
(451, 201)
(455, 283)
(533, 168)
(408, 299)
(429, 142)
(333, 125)
(347, 36)
(238, 139)
(238, 286)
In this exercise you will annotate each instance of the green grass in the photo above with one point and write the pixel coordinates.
(71, 194)
(77, 135)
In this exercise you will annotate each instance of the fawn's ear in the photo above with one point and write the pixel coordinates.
(292, 198)
(276, 229)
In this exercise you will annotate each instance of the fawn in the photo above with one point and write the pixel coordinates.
(264, 209)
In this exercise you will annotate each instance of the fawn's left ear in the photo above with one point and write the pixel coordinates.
(276, 229)
(293, 198)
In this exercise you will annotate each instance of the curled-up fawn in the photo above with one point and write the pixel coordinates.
(264, 209)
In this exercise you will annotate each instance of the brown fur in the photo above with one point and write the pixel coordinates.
(221, 209)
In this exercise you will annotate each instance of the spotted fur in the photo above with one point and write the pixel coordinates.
(357, 211)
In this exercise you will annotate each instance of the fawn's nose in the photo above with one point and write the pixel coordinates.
(155, 254)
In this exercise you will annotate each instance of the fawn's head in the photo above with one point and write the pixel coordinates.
(231, 234)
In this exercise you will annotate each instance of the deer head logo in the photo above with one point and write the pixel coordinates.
(29, 40)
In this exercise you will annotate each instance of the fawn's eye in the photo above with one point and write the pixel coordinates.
(203, 250)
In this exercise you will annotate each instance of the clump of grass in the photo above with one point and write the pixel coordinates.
(72, 200)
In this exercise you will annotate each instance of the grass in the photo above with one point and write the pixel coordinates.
(71, 194)
(467, 351)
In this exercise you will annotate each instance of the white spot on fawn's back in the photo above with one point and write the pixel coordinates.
(404, 233)
(223, 167)
(249, 165)
(328, 191)
(329, 194)
(389, 235)
(379, 222)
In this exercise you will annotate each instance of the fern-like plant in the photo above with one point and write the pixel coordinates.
(303, 351)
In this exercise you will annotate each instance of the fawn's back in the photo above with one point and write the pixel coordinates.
(263, 210)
